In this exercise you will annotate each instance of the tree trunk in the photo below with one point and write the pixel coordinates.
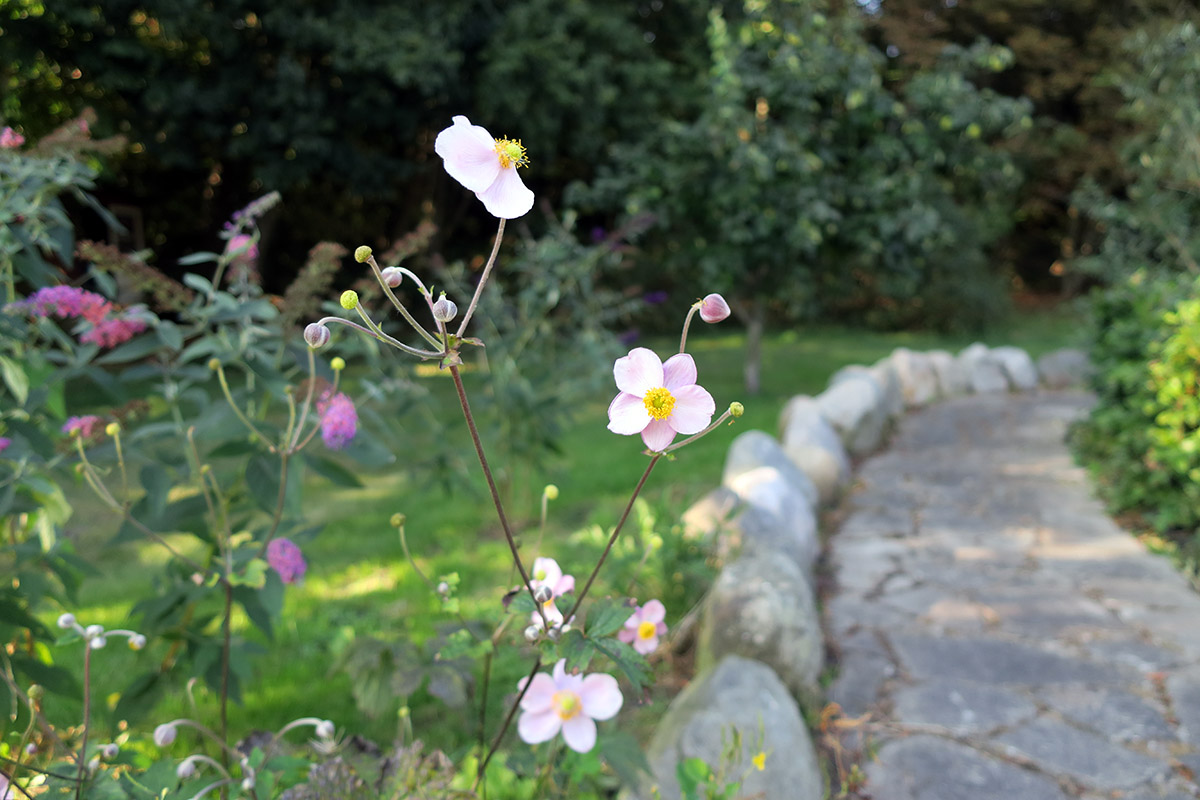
(751, 313)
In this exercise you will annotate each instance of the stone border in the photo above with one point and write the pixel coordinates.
(760, 645)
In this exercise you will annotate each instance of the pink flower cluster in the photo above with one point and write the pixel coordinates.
(339, 420)
(86, 425)
(109, 327)
(10, 139)
(285, 557)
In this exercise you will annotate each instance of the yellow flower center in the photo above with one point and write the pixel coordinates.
(647, 630)
(566, 704)
(511, 153)
(659, 403)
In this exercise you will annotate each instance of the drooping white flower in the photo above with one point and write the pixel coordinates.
(486, 166)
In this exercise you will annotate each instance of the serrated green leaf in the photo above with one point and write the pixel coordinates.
(627, 660)
(606, 617)
(576, 649)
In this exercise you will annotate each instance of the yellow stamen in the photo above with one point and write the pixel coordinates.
(659, 403)
(566, 704)
(511, 153)
(647, 630)
(760, 761)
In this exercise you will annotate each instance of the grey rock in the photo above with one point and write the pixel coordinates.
(927, 768)
(762, 607)
(1117, 714)
(918, 377)
(962, 706)
(754, 449)
(994, 661)
(777, 518)
(1062, 369)
(885, 374)
(746, 695)
(854, 407)
(984, 374)
(812, 444)
(1089, 759)
(952, 380)
(1018, 367)
(710, 519)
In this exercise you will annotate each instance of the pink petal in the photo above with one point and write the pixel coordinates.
(646, 646)
(540, 693)
(563, 585)
(654, 611)
(627, 415)
(638, 372)
(538, 727)
(694, 408)
(508, 197)
(627, 634)
(679, 371)
(714, 308)
(469, 154)
(552, 572)
(601, 696)
(579, 733)
(659, 433)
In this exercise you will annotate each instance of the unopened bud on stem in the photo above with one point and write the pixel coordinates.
(362, 253)
(713, 308)
(349, 300)
(543, 594)
(317, 335)
(392, 276)
(444, 310)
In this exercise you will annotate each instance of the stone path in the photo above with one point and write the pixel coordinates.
(1008, 639)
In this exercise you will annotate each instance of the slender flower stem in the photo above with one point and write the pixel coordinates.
(487, 474)
(236, 409)
(307, 405)
(483, 279)
(228, 644)
(686, 324)
(426, 335)
(383, 337)
(537, 664)
(613, 538)
(711, 427)
(87, 716)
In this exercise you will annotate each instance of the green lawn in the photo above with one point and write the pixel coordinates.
(359, 581)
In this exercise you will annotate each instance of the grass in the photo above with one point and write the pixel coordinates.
(359, 582)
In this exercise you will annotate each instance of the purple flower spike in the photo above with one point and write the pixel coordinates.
(285, 557)
(339, 420)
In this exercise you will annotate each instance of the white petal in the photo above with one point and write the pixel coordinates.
(507, 197)
(658, 434)
(694, 408)
(540, 693)
(579, 733)
(654, 611)
(538, 727)
(469, 153)
(638, 372)
(679, 371)
(627, 415)
(549, 570)
(646, 646)
(601, 696)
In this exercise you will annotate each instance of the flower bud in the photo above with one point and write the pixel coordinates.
(325, 729)
(92, 631)
(164, 735)
(532, 633)
(317, 335)
(36, 692)
(137, 642)
(736, 409)
(398, 520)
(543, 594)
(444, 310)
(93, 765)
(186, 769)
(66, 621)
(214, 364)
(713, 308)
(248, 783)
(443, 589)
(31, 749)
(362, 253)
(112, 428)
(337, 364)
(554, 634)
(110, 750)
(97, 642)
(392, 276)
(349, 300)
(550, 492)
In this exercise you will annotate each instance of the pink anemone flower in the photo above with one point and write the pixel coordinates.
(546, 572)
(486, 166)
(644, 626)
(567, 703)
(658, 400)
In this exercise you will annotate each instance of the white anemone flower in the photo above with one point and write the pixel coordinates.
(486, 166)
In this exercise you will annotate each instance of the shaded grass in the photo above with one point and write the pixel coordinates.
(359, 582)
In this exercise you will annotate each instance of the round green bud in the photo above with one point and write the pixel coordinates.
(112, 428)
(361, 254)
(36, 692)
(398, 520)
(349, 300)
(214, 364)
(736, 409)
(551, 491)
(337, 364)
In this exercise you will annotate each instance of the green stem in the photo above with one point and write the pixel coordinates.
(483, 279)
(87, 714)
(537, 664)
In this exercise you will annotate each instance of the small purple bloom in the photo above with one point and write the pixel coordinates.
(4, 443)
(285, 557)
(10, 139)
(66, 302)
(113, 331)
(86, 425)
(339, 420)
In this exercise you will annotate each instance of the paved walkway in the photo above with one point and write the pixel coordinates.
(1010, 641)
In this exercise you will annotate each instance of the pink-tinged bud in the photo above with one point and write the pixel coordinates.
(392, 276)
(713, 308)
(325, 729)
(444, 310)
(317, 335)
(164, 735)
(66, 621)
